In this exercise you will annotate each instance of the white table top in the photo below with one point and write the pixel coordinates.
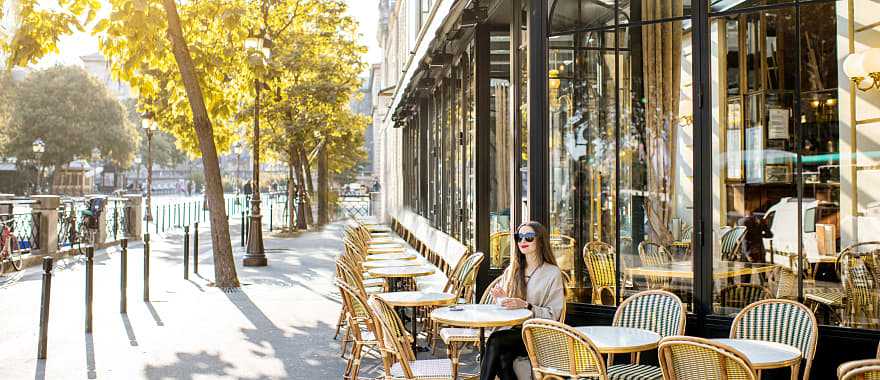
(401, 272)
(764, 355)
(390, 263)
(417, 298)
(392, 256)
(619, 340)
(480, 315)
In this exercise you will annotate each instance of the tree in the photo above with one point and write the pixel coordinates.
(187, 63)
(49, 105)
(6, 91)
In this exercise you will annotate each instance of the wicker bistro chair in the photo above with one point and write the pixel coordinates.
(780, 321)
(346, 274)
(363, 327)
(499, 249)
(859, 272)
(599, 258)
(868, 369)
(691, 358)
(461, 283)
(559, 352)
(731, 244)
(397, 356)
(653, 254)
(563, 248)
(654, 310)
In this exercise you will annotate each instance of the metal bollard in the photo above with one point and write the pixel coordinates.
(270, 214)
(44, 308)
(90, 266)
(186, 252)
(196, 248)
(147, 267)
(243, 228)
(123, 276)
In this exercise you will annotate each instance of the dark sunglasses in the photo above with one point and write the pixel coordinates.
(527, 236)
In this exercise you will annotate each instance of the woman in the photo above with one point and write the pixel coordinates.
(532, 281)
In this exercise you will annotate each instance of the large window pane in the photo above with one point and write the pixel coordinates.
(500, 146)
(655, 200)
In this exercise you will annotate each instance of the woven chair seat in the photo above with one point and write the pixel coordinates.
(433, 369)
(458, 335)
(830, 297)
(634, 372)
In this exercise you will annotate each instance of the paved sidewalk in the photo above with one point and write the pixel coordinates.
(278, 326)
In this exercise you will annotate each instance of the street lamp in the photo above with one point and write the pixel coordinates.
(149, 125)
(258, 50)
(39, 147)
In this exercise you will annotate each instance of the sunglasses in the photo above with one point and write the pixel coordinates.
(527, 236)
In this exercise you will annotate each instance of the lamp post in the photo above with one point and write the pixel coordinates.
(258, 52)
(39, 147)
(148, 123)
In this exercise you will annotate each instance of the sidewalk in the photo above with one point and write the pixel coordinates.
(278, 326)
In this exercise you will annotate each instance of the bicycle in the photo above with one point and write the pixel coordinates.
(9, 249)
(88, 228)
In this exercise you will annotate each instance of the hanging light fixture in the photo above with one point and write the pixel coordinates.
(863, 68)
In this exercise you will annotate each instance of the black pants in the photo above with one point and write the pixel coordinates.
(502, 348)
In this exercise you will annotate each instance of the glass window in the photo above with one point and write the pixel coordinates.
(500, 146)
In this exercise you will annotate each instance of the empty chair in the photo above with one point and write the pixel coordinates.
(599, 259)
(779, 321)
(397, 356)
(691, 358)
(558, 351)
(655, 255)
(739, 295)
(868, 369)
(731, 242)
(362, 327)
(653, 310)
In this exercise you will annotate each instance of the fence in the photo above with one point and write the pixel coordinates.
(117, 214)
(26, 228)
(69, 221)
(354, 206)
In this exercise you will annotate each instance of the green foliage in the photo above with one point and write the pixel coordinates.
(50, 105)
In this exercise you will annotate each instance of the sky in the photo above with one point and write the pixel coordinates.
(366, 12)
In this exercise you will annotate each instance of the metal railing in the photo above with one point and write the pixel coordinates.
(69, 220)
(354, 206)
(116, 217)
(26, 228)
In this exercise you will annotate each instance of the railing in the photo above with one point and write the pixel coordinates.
(354, 206)
(116, 213)
(277, 210)
(70, 213)
(26, 228)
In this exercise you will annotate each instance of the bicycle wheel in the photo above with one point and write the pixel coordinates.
(14, 253)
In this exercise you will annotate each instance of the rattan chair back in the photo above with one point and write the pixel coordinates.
(558, 351)
(655, 310)
(731, 241)
(563, 248)
(487, 297)
(692, 358)
(391, 336)
(655, 255)
(781, 321)
(599, 258)
(467, 276)
(499, 249)
(358, 310)
(868, 369)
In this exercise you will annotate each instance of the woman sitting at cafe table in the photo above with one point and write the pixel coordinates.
(532, 281)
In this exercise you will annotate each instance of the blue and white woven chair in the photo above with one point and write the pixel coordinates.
(654, 310)
(780, 321)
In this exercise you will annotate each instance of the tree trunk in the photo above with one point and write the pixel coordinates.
(307, 183)
(224, 263)
(291, 191)
(323, 188)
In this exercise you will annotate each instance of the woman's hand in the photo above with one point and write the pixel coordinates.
(498, 292)
(514, 303)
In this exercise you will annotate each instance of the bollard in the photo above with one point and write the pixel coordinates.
(155, 225)
(186, 252)
(177, 215)
(123, 276)
(243, 228)
(90, 266)
(270, 214)
(44, 308)
(196, 248)
(147, 267)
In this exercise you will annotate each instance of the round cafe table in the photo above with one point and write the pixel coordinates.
(415, 300)
(396, 274)
(620, 340)
(390, 263)
(767, 355)
(480, 316)
(392, 256)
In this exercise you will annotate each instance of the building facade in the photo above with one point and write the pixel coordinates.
(726, 150)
